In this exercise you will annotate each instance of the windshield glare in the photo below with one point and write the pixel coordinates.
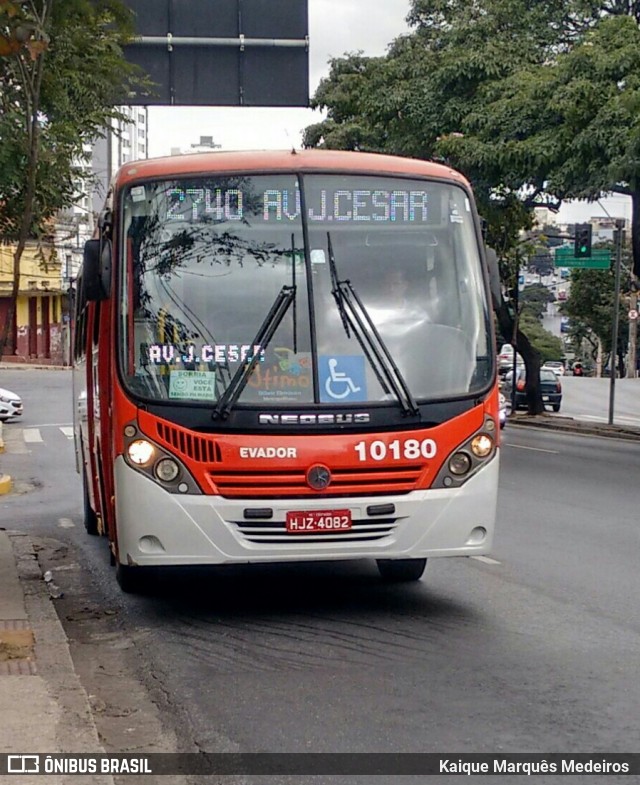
(205, 260)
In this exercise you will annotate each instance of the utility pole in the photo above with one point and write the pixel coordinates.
(514, 372)
(632, 355)
(613, 362)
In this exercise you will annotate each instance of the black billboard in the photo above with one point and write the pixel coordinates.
(222, 52)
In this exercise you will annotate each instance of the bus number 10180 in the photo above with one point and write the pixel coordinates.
(409, 449)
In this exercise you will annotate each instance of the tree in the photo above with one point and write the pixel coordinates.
(62, 74)
(548, 345)
(571, 125)
(534, 300)
(590, 307)
(534, 102)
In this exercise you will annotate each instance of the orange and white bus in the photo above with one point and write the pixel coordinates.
(287, 356)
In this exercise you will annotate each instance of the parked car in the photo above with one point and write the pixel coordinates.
(550, 385)
(10, 405)
(503, 411)
(505, 359)
(556, 366)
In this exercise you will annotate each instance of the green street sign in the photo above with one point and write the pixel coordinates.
(599, 259)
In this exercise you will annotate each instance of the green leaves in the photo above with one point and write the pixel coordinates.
(55, 98)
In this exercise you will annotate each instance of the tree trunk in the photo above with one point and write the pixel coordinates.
(32, 125)
(522, 346)
(635, 231)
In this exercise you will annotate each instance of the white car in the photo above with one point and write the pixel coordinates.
(503, 411)
(555, 366)
(10, 404)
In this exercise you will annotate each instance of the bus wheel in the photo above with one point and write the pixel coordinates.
(132, 580)
(401, 570)
(90, 517)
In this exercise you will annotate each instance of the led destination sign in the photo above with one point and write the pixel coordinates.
(273, 205)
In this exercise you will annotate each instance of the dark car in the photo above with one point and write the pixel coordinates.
(550, 386)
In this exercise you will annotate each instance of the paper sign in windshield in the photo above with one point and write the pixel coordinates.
(194, 385)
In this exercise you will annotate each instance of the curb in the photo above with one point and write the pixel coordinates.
(47, 706)
(33, 367)
(569, 425)
(5, 481)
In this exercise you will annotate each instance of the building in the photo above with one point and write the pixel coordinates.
(126, 140)
(39, 329)
(205, 145)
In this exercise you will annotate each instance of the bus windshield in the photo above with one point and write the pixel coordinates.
(204, 259)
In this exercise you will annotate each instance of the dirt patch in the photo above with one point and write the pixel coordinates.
(131, 710)
(16, 645)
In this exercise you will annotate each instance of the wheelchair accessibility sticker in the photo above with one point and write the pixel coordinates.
(342, 379)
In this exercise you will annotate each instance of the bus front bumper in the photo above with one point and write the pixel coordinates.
(155, 528)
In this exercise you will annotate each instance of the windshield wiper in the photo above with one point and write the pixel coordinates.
(355, 316)
(285, 297)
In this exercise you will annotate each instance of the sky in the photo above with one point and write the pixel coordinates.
(335, 28)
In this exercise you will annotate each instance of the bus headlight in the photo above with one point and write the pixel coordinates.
(481, 445)
(459, 463)
(141, 452)
(468, 458)
(167, 470)
(157, 463)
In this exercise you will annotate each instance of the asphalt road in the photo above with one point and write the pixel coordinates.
(534, 650)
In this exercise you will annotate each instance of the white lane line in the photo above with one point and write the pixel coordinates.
(32, 435)
(486, 559)
(68, 431)
(66, 523)
(535, 449)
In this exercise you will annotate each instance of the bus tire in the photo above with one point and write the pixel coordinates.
(90, 517)
(132, 580)
(401, 570)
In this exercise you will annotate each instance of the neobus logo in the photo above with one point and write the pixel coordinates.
(313, 419)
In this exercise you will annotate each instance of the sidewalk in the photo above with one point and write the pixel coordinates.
(570, 425)
(43, 706)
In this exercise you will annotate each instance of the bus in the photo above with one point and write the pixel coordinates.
(286, 357)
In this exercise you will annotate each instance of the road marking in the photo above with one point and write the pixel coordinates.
(486, 559)
(66, 523)
(68, 431)
(535, 449)
(32, 435)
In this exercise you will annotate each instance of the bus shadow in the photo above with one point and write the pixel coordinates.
(345, 587)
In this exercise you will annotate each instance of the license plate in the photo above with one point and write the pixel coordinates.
(319, 521)
(545, 397)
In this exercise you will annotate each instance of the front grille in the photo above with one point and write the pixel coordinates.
(365, 530)
(293, 484)
(199, 448)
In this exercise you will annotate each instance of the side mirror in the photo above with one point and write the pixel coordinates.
(494, 276)
(96, 269)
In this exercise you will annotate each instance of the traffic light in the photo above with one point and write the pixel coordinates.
(582, 247)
